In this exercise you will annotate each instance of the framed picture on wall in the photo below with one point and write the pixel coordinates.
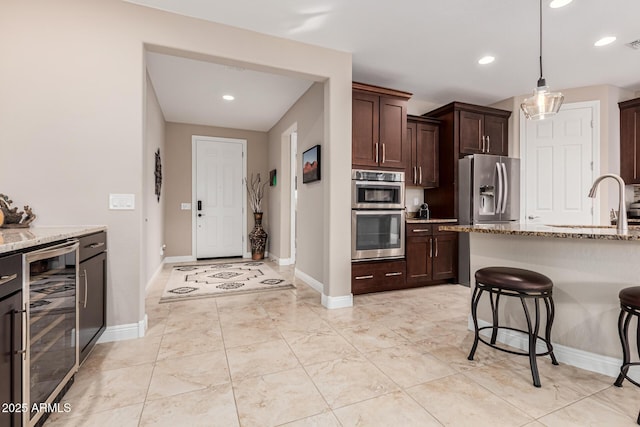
(311, 165)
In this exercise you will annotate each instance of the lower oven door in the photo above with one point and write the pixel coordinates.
(377, 234)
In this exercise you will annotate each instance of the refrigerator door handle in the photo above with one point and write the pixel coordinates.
(506, 188)
(500, 183)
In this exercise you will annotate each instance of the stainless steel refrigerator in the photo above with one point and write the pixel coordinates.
(488, 192)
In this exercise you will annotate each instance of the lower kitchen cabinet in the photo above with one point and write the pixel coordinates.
(92, 291)
(432, 255)
(377, 276)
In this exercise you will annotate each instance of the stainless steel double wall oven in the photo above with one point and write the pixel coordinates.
(377, 215)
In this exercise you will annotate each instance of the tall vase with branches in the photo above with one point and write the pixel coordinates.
(257, 236)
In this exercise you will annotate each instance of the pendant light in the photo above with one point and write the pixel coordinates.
(543, 103)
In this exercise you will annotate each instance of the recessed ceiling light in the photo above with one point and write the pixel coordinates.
(486, 60)
(559, 3)
(228, 97)
(605, 41)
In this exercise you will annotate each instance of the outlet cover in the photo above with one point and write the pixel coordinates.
(122, 201)
(185, 206)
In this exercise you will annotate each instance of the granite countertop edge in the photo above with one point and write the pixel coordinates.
(593, 233)
(16, 239)
(430, 221)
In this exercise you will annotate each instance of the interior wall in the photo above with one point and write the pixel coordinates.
(308, 115)
(72, 110)
(178, 224)
(153, 209)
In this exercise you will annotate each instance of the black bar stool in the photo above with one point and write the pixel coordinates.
(629, 307)
(524, 284)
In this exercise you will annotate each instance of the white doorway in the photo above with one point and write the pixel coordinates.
(560, 158)
(218, 197)
(293, 143)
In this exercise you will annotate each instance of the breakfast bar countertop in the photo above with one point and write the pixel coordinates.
(14, 239)
(564, 231)
(430, 220)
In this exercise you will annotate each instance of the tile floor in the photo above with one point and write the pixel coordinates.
(280, 358)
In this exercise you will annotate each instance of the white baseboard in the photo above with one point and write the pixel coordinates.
(593, 362)
(124, 332)
(337, 302)
(315, 284)
(172, 259)
(153, 277)
(283, 261)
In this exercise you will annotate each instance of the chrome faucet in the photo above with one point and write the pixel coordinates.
(622, 226)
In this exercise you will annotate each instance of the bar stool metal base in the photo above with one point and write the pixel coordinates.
(532, 328)
(627, 312)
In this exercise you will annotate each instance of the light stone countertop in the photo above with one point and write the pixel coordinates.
(14, 239)
(565, 231)
(429, 221)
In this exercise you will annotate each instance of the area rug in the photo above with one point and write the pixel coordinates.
(220, 279)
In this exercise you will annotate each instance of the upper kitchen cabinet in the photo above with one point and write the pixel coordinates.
(630, 141)
(483, 130)
(423, 135)
(379, 128)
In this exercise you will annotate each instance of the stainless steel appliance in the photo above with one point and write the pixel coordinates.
(51, 297)
(377, 189)
(377, 215)
(488, 192)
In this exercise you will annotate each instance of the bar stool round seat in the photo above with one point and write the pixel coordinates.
(525, 285)
(629, 307)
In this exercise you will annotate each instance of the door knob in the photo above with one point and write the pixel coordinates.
(533, 217)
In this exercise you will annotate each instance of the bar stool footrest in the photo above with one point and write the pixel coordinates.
(521, 353)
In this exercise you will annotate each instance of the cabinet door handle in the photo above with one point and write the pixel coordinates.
(415, 175)
(384, 152)
(393, 274)
(436, 247)
(420, 168)
(430, 248)
(86, 288)
(95, 245)
(488, 144)
(376, 152)
(421, 230)
(23, 352)
(364, 277)
(7, 279)
(483, 141)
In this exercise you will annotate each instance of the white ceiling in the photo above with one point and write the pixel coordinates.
(426, 47)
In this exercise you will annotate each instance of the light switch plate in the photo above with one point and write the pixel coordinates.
(122, 201)
(185, 206)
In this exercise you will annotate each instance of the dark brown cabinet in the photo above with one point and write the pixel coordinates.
(464, 129)
(379, 128)
(432, 255)
(630, 141)
(92, 291)
(423, 136)
(11, 341)
(377, 276)
(483, 133)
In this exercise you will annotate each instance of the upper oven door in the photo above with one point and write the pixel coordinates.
(377, 195)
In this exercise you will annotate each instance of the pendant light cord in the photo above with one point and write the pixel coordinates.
(541, 78)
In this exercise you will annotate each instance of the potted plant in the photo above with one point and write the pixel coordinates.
(257, 236)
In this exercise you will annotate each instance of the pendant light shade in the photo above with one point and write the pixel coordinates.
(543, 103)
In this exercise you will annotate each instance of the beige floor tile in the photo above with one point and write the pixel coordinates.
(318, 346)
(393, 409)
(456, 401)
(122, 354)
(275, 399)
(186, 374)
(260, 359)
(250, 333)
(587, 412)
(407, 366)
(103, 390)
(625, 399)
(346, 381)
(210, 407)
(187, 323)
(325, 419)
(372, 337)
(127, 416)
(179, 345)
(513, 382)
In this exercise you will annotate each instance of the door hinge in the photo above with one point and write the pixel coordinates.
(591, 124)
(591, 165)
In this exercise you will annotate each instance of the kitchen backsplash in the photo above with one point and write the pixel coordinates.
(413, 198)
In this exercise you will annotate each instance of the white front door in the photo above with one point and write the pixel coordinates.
(219, 197)
(558, 157)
